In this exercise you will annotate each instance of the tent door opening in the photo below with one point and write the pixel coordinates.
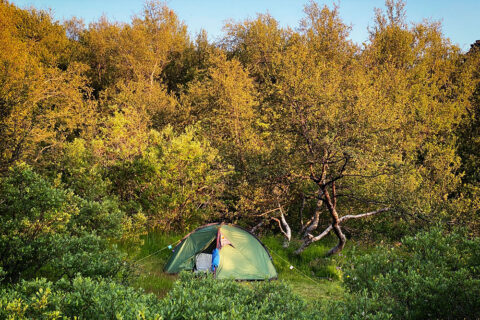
(203, 260)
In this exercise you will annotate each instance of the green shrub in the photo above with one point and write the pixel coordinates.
(105, 218)
(81, 171)
(192, 297)
(104, 299)
(359, 306)
(31, 207)
(431, 275)
(28, 300)
(204, 297)
(80, 298)
(171, 180)
(43, 225)
(22, 258)
(88, 256)
(59, 256)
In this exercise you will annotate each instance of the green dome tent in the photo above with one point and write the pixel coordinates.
(242, 255)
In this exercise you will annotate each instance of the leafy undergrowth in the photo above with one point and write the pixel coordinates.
(203, 297)
(432, 275)
(198, 297)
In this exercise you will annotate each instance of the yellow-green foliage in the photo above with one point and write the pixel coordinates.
(90, 105)
(44, 95)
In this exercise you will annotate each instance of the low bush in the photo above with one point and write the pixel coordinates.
(433, 275)
(80, 298)
(57, 256)
(192, 297)
(207, 298)
(105, 218)
(89, 256)
(46, 228)
(362, 305)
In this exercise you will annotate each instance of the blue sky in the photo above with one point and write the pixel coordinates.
(460, 19)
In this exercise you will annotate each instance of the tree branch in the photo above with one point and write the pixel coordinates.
(348, 217)
(265, 213)
(254, 229)
(312, 239)
(279, 225)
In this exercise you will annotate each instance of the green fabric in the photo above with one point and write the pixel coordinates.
(245, 259)
(184, 256)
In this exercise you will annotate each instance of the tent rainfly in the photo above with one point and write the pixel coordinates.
(238, 255)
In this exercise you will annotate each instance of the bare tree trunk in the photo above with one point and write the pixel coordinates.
(311, 239)
(284, 228)
(331, 203)
(313, 224)
(288, 231)
(302, 226)
(152, 74)
(282, 224)
(341, 240)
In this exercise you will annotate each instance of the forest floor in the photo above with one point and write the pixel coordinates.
(314, 277)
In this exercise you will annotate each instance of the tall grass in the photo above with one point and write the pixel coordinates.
(149, 260)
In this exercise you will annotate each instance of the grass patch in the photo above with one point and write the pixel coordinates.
(312, 262)
(315, 292)
(152, 278)
(149, 260)
(314, 276)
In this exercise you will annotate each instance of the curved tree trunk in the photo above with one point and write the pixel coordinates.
(331, 203)
(313, 224)
(312, 239)
(341, 240)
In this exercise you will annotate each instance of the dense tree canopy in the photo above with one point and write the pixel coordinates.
(297, 128)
